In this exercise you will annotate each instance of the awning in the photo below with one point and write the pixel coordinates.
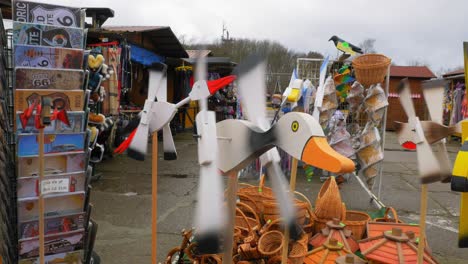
(145, 57)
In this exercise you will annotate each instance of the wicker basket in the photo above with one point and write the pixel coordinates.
(254, 196)
(371, 68)
(321, 223)
(386, 217)
(357, 221)
(271, 210)
(275, 260)
(328, 204)
(298, 251)
(271, 243)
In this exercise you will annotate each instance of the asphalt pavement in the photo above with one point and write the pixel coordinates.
(122, 202)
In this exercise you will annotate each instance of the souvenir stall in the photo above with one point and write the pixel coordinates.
(266, 225)
(49, 213)
(456, 101)
(121, 57)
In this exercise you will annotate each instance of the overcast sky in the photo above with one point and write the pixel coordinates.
(432, 31)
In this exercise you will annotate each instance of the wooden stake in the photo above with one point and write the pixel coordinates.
(422, 224)
(154, 198)
(292, 187)
(41, 198)
(231, 205)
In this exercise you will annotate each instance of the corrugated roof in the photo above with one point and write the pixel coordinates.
(411, 72)
(164, 40)
(134, 28)
(197, 53)
(456, 72)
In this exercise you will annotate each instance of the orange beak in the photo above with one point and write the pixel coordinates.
(318, 153)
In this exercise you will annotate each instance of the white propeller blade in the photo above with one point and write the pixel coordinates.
(209, 216)
(139, 146)
(428, 165)
(434, 95)
(406, 100)
(252, 90)
(170, 152)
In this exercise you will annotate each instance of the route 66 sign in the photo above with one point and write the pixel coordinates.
(45, 35)
(40, 13)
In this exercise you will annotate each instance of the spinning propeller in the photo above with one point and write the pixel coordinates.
(433, 166)
(209, 214)
(157, 115)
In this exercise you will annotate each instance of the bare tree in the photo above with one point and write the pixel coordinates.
(368, 45)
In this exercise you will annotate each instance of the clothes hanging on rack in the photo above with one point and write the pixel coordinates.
(458, 97)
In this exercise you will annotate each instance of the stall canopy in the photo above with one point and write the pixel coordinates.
(144, 56)
(159, 39)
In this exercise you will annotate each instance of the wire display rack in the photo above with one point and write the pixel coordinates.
(308, 68)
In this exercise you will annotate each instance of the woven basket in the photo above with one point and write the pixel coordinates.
(271, 210)
(298, 251)
(371, 68)
(254, 196)
(244, 223)
(357, 221)
(275, 260)
(386, 217)
(328, 204)
(249, 251)
(270, 243)
(248, 211)
(321, 223)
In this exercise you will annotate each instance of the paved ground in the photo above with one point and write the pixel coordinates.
(122, 200)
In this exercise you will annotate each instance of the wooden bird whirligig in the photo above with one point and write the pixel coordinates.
(299, 134)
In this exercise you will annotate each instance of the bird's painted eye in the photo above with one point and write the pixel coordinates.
(295, 126)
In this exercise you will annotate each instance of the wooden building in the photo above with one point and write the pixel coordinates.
(416, 75)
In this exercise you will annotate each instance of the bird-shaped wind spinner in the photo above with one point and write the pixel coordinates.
(433, 166)
(157, 115)
(298, 134)
(419, 135)
(209, 216)
(347, 48)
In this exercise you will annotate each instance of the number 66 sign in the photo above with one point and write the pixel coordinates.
(48, 57)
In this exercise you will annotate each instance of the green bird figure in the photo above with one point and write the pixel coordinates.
(346, 47)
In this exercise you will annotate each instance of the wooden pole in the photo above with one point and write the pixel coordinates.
(292, 187)
(154, 198)
(41, 197)
(231, 205)
(422, 224)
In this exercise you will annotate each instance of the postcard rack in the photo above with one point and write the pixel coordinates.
(45, 137)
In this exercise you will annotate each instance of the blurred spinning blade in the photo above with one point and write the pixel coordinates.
(209, 215)
(428, 165)
(139, 145)
(253, 91)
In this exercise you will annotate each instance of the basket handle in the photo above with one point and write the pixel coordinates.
(252, 211)
(246, 197)
(244, 218)
(261, 184)
(245, 184)
(343, 212)
(303, 197)
(394, 213)
(269, 224)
